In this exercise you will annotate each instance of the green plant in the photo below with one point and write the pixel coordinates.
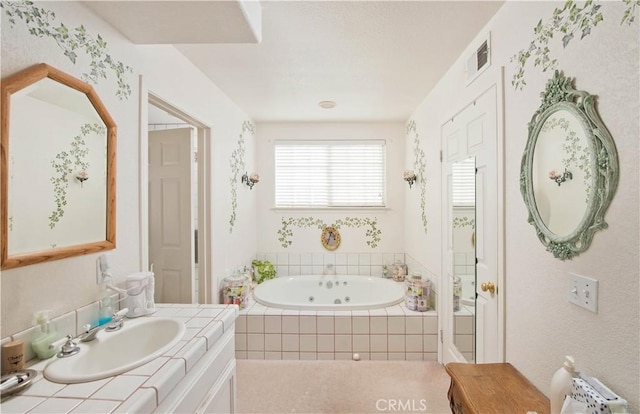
(264, 270)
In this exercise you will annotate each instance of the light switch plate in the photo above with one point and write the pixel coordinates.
(583, 291)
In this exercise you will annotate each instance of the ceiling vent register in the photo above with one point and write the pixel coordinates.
(479, 60)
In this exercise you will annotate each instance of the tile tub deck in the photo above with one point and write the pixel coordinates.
(392, 333)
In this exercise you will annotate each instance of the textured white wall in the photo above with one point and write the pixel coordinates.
(353, 239)
(541, 326)
(196, 95)
(66, 284)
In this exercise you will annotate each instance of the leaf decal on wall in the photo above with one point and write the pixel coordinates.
(42, 23)
(419, 165)
(568, 21)
(237, 166)
(373, 233)
(464, 221)
(65, 163)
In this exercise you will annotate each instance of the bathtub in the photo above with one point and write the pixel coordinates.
(334, 292)
(468, 289)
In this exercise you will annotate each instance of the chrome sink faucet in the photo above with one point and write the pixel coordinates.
(116, 323)
(69, 347)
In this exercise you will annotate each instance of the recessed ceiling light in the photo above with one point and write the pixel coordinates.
(327, 104)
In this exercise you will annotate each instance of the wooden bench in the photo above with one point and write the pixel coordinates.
(492, 388)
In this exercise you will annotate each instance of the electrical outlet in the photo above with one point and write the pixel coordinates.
(103, 265)
(583, 291)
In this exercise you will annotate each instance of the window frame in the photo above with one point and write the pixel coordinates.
(337, 142)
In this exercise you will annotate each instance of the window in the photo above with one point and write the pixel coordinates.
(464, 183)
(330, 173)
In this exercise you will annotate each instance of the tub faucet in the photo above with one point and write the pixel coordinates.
(329, 270)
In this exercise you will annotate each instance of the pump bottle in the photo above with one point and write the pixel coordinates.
(561, 384)
(46, 337)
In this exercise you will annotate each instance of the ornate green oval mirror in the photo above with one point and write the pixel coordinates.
(569, 169)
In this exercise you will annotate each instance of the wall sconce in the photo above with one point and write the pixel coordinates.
(250, 180)
(82, 176)
(560, 178)
(410, 177)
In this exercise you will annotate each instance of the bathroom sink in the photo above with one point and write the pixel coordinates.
(112, 353)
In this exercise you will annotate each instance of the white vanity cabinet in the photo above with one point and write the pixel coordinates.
(197, 375)
(209, 387)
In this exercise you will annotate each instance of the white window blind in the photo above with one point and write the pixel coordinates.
(464, 182)
(330, 173)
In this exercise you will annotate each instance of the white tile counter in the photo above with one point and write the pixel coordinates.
(209, 330)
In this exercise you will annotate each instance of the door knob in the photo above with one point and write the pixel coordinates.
(488, 286)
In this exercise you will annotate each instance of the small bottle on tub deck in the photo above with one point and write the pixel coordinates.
(457, 292)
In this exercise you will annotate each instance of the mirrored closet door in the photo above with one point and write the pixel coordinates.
(463, 243)
(472, 237)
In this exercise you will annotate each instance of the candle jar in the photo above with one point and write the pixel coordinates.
(236, 290)
(399, 271)
(417, 293)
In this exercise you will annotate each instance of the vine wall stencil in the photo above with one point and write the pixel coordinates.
(568, 21)
(66, 163)
(42, 23)
(419, 166)
(373, 232)
(462, 222)
(575, 155)
(237, 168)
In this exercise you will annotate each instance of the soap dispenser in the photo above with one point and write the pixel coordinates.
(561, 384)
(46, 337)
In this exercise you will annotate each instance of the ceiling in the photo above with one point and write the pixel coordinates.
(376, 59)
(182, 21)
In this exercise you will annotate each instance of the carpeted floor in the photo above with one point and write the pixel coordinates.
(341, 387)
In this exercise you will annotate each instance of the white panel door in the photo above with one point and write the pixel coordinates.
(482, 140)
(171, 228)
(473, 133)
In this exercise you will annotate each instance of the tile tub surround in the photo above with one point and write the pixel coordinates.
(314, 263)
(392, 333)
(141, 389)
(464, 331)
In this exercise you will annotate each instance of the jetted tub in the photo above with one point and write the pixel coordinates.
(329, 292)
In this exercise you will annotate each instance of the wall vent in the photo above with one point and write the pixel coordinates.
(479, 60)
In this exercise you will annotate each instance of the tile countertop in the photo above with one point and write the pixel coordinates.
(141, 389)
